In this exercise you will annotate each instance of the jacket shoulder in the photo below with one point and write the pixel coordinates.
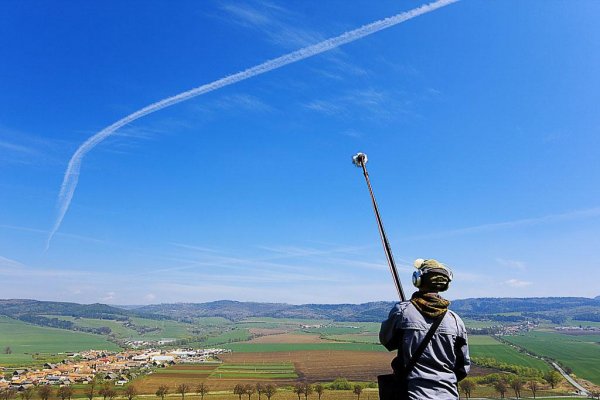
(460, 325)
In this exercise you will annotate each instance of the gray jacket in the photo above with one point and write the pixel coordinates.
(444, 362)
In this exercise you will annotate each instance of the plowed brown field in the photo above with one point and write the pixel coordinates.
(311, 366)
(289, 338)
(323, 366)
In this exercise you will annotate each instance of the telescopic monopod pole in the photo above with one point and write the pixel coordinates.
(360, 160)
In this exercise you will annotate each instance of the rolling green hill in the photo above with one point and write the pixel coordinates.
(28, 342)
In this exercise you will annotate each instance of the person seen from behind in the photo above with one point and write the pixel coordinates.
(445, 360)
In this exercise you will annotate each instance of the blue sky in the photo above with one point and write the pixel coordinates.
(479, 118)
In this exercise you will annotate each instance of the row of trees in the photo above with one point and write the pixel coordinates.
(45, 392)
(260, 389)
(182, 389)
(516, 383)
(268, 390)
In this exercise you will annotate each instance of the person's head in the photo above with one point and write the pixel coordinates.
(431, 276)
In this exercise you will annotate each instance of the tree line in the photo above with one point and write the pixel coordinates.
(504, 383)
(107, 391)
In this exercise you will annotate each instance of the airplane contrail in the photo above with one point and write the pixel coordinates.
(72, 173)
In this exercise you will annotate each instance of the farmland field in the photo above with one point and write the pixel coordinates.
(581, 353)
(358, 338)
(486, 346)
(175, 375)
(116, 327)
(26, 339)
(287, 347)
(261, 371)
(167, 329)
(235, 335)
(288, 338)
(322, 365)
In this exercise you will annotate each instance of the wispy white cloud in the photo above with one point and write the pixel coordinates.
(290, 265)
(150, 297)
(23, 148)
(516, 264)
(9, 263)
(16, 269)
(109, 297)
(516, 283)
(277, 24)
(46, 232)
(195, 248)
(17, 148)
(590, 213)
(242, 101)
(375, 104)
(325, 107)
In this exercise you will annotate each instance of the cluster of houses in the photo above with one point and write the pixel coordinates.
(575, 329)
(82, 368)
(137, 344)
(525, 326)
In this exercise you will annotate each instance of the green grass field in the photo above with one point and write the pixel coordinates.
(574, 322)
(168, 329)
(25, 340)
(486, 346)
(476, 324)
(116, 327)
(581, 353)
(235, 335)
(286, 321)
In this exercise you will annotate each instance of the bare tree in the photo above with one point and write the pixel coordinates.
(319, 389)
(7, 393)
(27, 393)
(239, 390)
(105, 390)
(298, 389)
(260, 389)
(533, 385)
(44, 392)
(90, 389)
(517, 384)
(358, 391)
(249, 390)
(111, 393)
(202, 389)
(308, 389)
(467, 385)
(131, 392)
(501, 387)
(270, 390)
(65, 392)
(7, 350)
(182, 389)
(162, 391)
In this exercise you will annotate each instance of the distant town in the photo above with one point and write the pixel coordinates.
(83, 367)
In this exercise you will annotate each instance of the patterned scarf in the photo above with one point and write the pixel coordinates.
(429, 304)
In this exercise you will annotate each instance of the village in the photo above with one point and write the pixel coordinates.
(117, 367)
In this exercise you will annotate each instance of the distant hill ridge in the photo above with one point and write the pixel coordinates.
(552, 308)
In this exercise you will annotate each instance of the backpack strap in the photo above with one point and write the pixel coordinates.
(413, 360)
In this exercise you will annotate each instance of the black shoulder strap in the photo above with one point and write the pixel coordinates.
(411, 363)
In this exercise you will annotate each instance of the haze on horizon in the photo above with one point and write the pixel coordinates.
(479, 120)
